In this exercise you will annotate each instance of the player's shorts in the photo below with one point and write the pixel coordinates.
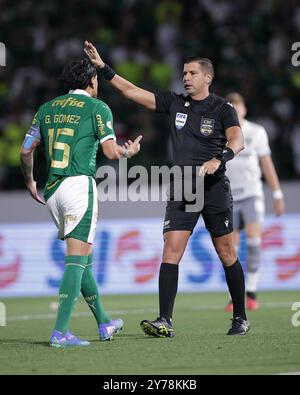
(216, 212)
(74, 208)
(247, 211)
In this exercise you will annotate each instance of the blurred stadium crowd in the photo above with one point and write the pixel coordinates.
(146, 42)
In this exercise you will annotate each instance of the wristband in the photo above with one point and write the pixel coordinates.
(226, 155)
(277, 194)
(108, 72)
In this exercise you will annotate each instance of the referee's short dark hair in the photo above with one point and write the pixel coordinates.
(78, 74)
(205, 63)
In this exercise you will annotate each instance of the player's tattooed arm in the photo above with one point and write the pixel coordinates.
(129, 90)
(27, 167)
(29, 145)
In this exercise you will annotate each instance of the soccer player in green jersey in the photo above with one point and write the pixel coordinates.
(70, 128)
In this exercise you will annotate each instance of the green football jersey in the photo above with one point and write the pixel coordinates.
(71, 127)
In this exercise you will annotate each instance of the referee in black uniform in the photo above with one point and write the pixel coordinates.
(205, 132)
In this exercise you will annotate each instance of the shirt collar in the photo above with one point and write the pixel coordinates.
(79, 92)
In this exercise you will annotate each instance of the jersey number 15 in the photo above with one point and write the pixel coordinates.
(58, 145)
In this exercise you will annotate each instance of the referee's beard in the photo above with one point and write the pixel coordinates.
(197, 94)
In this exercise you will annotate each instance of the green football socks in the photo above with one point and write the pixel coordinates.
(69, 290)
(91, 295)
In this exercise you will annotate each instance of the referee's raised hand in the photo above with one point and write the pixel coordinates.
(93, 55)
(209, 167)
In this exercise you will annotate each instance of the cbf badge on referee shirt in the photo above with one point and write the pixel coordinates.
(180, 120)
(207, 126)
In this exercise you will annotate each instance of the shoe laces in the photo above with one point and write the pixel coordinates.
(69, 335)
(236, 322)
(163, 321)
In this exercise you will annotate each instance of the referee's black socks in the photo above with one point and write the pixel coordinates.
(236, 284)
(168, 284)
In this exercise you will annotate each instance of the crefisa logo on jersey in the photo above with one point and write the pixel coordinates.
(207, 126)
(180, 120)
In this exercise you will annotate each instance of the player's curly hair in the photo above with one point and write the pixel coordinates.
(78, 74)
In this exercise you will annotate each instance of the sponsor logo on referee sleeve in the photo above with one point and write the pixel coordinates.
(207, 126)
(180, 120)
(167, 224)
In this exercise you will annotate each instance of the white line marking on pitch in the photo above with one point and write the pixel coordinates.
(136, 311)
(287, 374)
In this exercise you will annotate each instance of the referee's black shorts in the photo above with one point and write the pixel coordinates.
(216, 212)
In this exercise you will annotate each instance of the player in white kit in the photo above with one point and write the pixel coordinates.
(244, 173)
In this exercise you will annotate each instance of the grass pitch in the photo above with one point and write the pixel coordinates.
(199, 347)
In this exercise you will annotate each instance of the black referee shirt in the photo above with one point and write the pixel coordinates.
(197, 126)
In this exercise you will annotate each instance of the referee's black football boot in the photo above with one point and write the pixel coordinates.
(239, 326)
(158, 328)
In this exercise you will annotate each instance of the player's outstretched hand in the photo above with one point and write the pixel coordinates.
(133, 146)
(33, 192)
(93, 55)
(209, 167)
